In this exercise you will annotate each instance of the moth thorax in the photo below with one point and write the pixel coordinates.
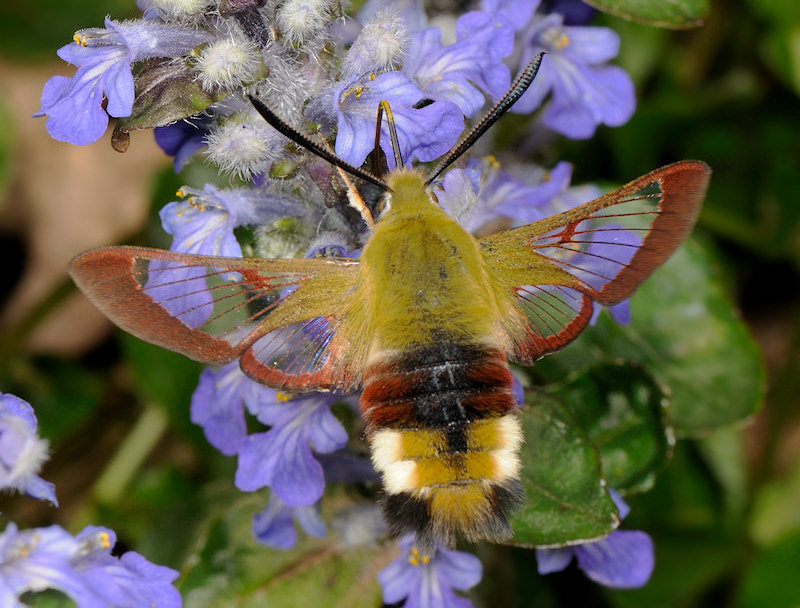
(408, 189)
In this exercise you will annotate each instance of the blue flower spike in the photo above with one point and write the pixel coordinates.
(104, 57)
(585, 91)
(22, 452)
(282, 458)
(275, 525)
(82, 568)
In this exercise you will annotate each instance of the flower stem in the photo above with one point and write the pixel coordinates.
(136, 447)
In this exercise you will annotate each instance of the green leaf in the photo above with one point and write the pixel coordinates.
(49, 598)
(771, 580)
(685, 333)
(620, 408)
(230, 569)
(164, 93)
(566, 501)
(780, 48)
(723, 452)
(775, 512)
(677, 14)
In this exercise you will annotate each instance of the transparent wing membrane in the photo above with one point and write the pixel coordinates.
(291, 357)
(600, 251)
(596, 248)
(213, 309)
(550, 308)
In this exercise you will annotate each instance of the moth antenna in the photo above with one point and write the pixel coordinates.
(354, 198)
(306, 142)
(515, 91)
(383, 107)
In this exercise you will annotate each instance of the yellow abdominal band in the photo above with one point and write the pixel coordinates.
(457, 486)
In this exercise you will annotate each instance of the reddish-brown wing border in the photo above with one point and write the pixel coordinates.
(108, 277)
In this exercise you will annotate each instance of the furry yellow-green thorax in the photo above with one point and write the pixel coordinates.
(408, 191)
(426, 275)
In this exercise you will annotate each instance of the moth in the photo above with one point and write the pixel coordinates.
(423, 324)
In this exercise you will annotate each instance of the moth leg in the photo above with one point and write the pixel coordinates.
(354, 198)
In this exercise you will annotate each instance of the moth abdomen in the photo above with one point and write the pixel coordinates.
(444, 434)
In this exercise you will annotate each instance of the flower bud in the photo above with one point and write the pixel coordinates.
(230, 63)
(178, 10)
(300, 20)
(380, 46)
(244, 145)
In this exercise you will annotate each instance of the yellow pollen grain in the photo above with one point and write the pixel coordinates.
(79, 39)
(357, 90)
(195, 202)
(562, 42)
(415, 559)
(105, 542)
(372, 76)
(283, 397)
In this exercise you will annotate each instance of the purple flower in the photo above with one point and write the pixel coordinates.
(518, 391)
(585, 93)
(429, 582)
(39, 559)
(22, 452)
(274, 526)
(623, 559)
(204, 223)
(218, 405)
(424, 133)
(82, 568)
(575, 12)
(412, 12)
(332, 244)
(482, 193)
(182, 139)
(463, 71)
(514, 13)
(128, 582)
(104, 58)
(282, 457)
(551, 194)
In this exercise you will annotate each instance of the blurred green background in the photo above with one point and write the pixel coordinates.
(725, 512)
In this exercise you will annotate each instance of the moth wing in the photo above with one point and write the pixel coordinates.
(280, 316)
(598, 252)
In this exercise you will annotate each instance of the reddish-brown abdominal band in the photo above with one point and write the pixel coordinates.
(442, 424)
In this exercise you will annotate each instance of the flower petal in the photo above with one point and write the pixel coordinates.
(624, 559)
(553, 560)
(274, 526)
